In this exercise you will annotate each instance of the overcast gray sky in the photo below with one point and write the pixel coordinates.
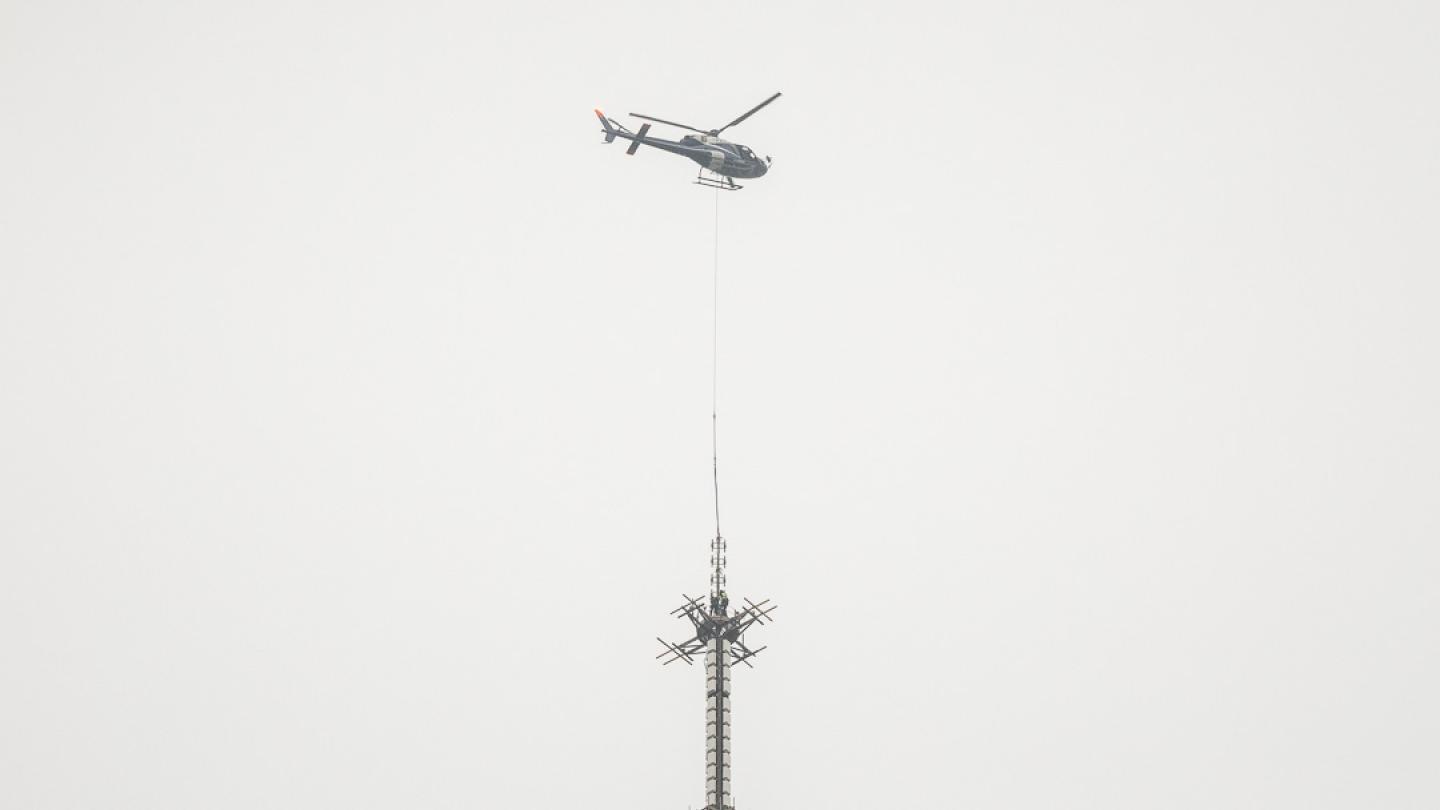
(1078, 402)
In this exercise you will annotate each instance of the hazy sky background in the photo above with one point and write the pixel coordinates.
(1078, 392)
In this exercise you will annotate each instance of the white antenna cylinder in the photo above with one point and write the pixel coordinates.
(717, 726)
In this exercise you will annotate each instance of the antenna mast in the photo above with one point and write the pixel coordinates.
(717, 546)
(719, 634)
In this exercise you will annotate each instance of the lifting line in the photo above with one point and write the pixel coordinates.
(715, 364)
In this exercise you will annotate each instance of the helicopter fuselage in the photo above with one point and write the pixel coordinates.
(715, 154)
(722, 156)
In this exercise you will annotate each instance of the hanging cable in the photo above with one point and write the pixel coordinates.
(715, 365)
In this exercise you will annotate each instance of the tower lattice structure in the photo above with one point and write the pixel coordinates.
(720, 638)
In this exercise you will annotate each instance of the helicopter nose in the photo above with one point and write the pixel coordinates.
(763, 167)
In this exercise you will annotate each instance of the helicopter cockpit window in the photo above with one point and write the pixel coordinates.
(745, 152)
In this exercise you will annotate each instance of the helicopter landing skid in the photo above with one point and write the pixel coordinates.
(714, 180)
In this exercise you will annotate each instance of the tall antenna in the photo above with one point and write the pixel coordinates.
(719, 634)
(717, 546)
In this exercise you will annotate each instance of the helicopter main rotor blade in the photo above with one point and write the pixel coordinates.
(753, 110)
(671, 123)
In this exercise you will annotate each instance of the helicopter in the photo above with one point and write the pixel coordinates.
(723, 160)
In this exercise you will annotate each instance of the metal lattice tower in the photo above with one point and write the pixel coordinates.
(720, 636)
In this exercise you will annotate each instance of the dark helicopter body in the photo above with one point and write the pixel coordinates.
(715, 154)
(725, 159)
